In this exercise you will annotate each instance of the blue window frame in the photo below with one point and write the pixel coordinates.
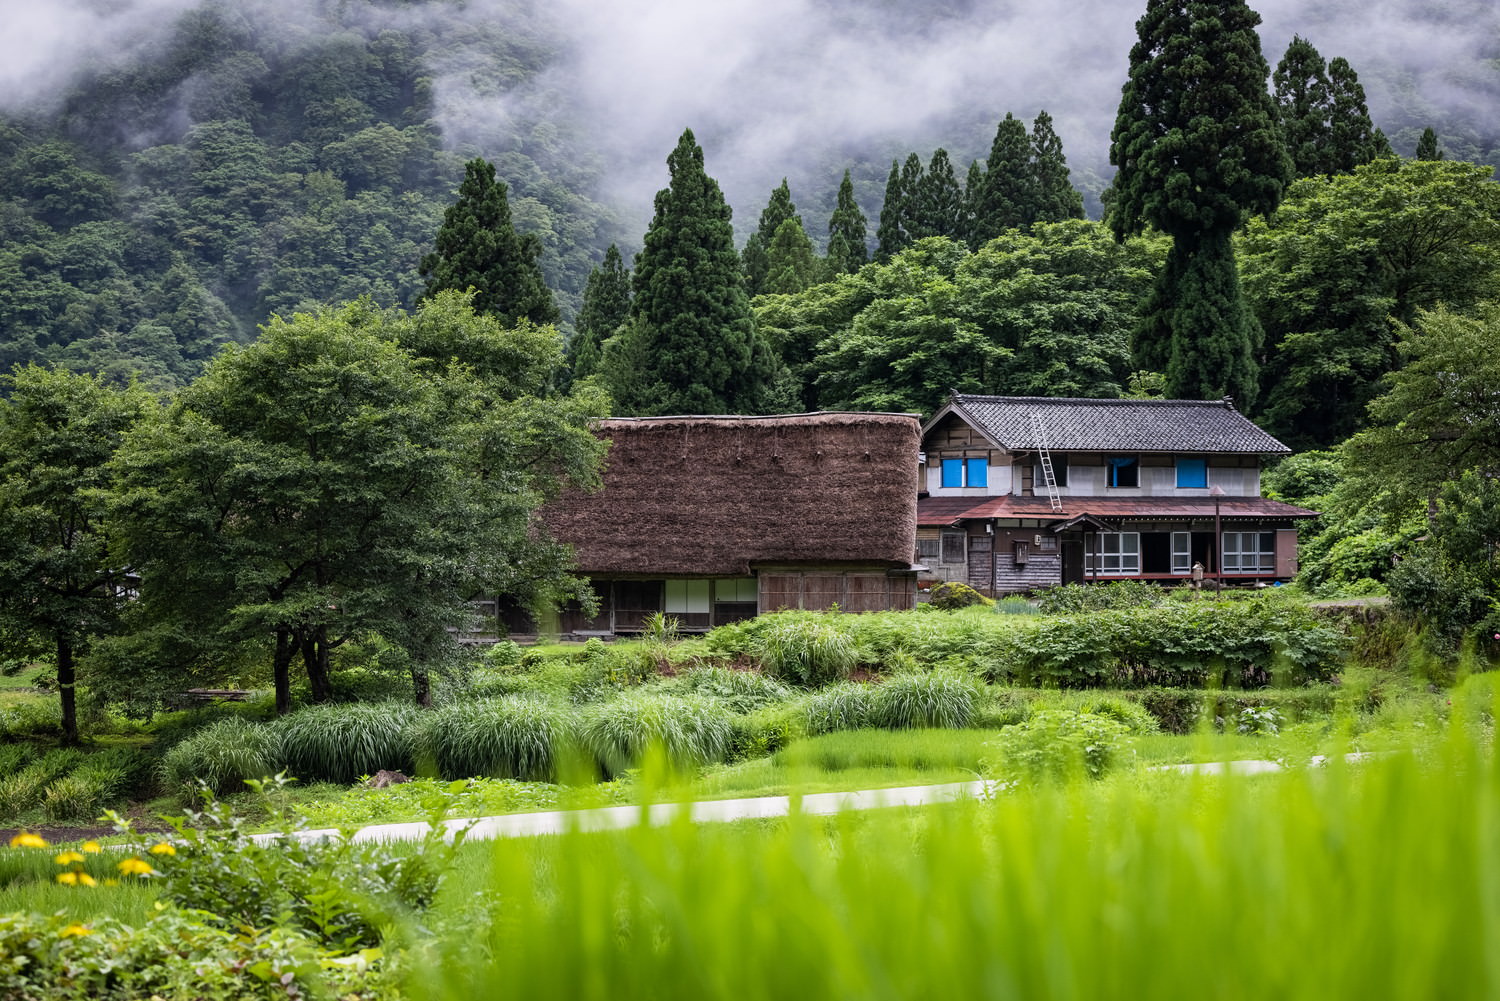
(1124, 471)
(1192, 473)
(965, 472)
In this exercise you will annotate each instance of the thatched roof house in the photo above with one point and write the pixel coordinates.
(756, 512)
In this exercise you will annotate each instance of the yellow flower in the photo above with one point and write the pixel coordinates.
(163, 848)
(92, 847)
(28, 840)
(68, 878)
(135, 867)
(84, 879)
(68, 858)
(74, 930)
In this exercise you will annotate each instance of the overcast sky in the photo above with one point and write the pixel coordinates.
(775, 87)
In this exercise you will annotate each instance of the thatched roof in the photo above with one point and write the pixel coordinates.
(713, 495)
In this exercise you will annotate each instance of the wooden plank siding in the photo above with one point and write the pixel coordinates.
(852, 591)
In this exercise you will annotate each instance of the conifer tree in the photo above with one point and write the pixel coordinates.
(1353, 139)
(700, 348)
(1198, 151)
(912, 183)
(940, 201)
(777, 211)
(1304, 104)
(973, 192)
(606, 305)
(792, 265)
(478, 248)
(847, 251)
(889, 236)
(1427, 146)
(1055, 198)
(1009, 192)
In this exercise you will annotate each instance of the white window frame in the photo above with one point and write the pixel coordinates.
(1246, 552)
(1118, 554)
(1182, 552)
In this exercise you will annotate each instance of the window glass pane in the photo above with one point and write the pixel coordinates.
(953, 472)
(676, 596)
(1192, 473)
(1182, 552)
(977, 470)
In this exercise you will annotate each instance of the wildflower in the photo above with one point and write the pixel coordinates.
(74, 930)
(135, 867)
(28, 840)
(69, 878)
(92, 847)
(84, 879)
(163, 848)
(68, 858)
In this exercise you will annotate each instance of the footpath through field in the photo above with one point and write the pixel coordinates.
(612, 818)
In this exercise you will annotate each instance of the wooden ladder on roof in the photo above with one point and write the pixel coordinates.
(1049, 478)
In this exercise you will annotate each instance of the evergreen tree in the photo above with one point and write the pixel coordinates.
(847, 251)
(606, 305)
(1009, 194)
(701, 351)
(1353, 139)
(1198, 151)
(777, 211)
(792, 265)
(913, 181)
(1304, 102)
(973, 193)
(1427, 146)
(478, 248)
(940, 207)
(889, 235)
(1055, 198)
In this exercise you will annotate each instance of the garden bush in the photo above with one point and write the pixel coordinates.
(737, 691)
(848, 705)
(1057, 745)
(340, 742)
(1072, 598)
(766, 730)
(512, 737)
(941, 699)
(689, 731)
(952, 595)
(223, 755)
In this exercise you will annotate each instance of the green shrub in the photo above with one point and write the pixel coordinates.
(809, 649)
(737, 691)
(687, 730)
(848, 705)
(223, 755)
(341, 742)
(1120, 594)
(1056, 745)
(26, 789)
(998, 707)
(502, 655)
(1134, 716)
(98, 780)
(1175, 710)
(766, 731)
(941, 699)
(952, 595)
(511, 737)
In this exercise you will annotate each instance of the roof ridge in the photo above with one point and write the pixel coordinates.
(1114, 401)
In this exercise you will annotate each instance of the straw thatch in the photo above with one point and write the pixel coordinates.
(713, 495)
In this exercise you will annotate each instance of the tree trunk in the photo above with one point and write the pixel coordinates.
(282, 666)
(66, 690)
(421, 686)
(315, 657)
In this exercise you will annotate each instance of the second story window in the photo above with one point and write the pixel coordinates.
(965, 473)
(1192, 473)
(1123, 471)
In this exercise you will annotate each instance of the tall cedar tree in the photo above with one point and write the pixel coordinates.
(791, 263)
(777, 211)
(1198, 152)
(1427, 146)
(1304, 103)
(847, 250)
(1353, 139)
(478, 248)
(702, 351)
(973, 195)
(1055, 199)
(1009, 190)
(913, 180)
(889, 238)
(606, 305)
(940, 200)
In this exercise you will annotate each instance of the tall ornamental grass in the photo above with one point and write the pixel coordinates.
(942, 699)
(808, 649)
(340, 742)
(1376, 881)
(223, 755)
(515, 737)
(687, 730)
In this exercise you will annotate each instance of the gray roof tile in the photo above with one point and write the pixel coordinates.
(1117, 425)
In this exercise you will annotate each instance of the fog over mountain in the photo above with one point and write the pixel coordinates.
(803, 87)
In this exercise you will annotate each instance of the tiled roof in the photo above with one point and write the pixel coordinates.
(937, 511)
(1082, 425)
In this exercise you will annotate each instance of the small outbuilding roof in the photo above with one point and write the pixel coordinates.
(1024, 423)
(716, 495)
